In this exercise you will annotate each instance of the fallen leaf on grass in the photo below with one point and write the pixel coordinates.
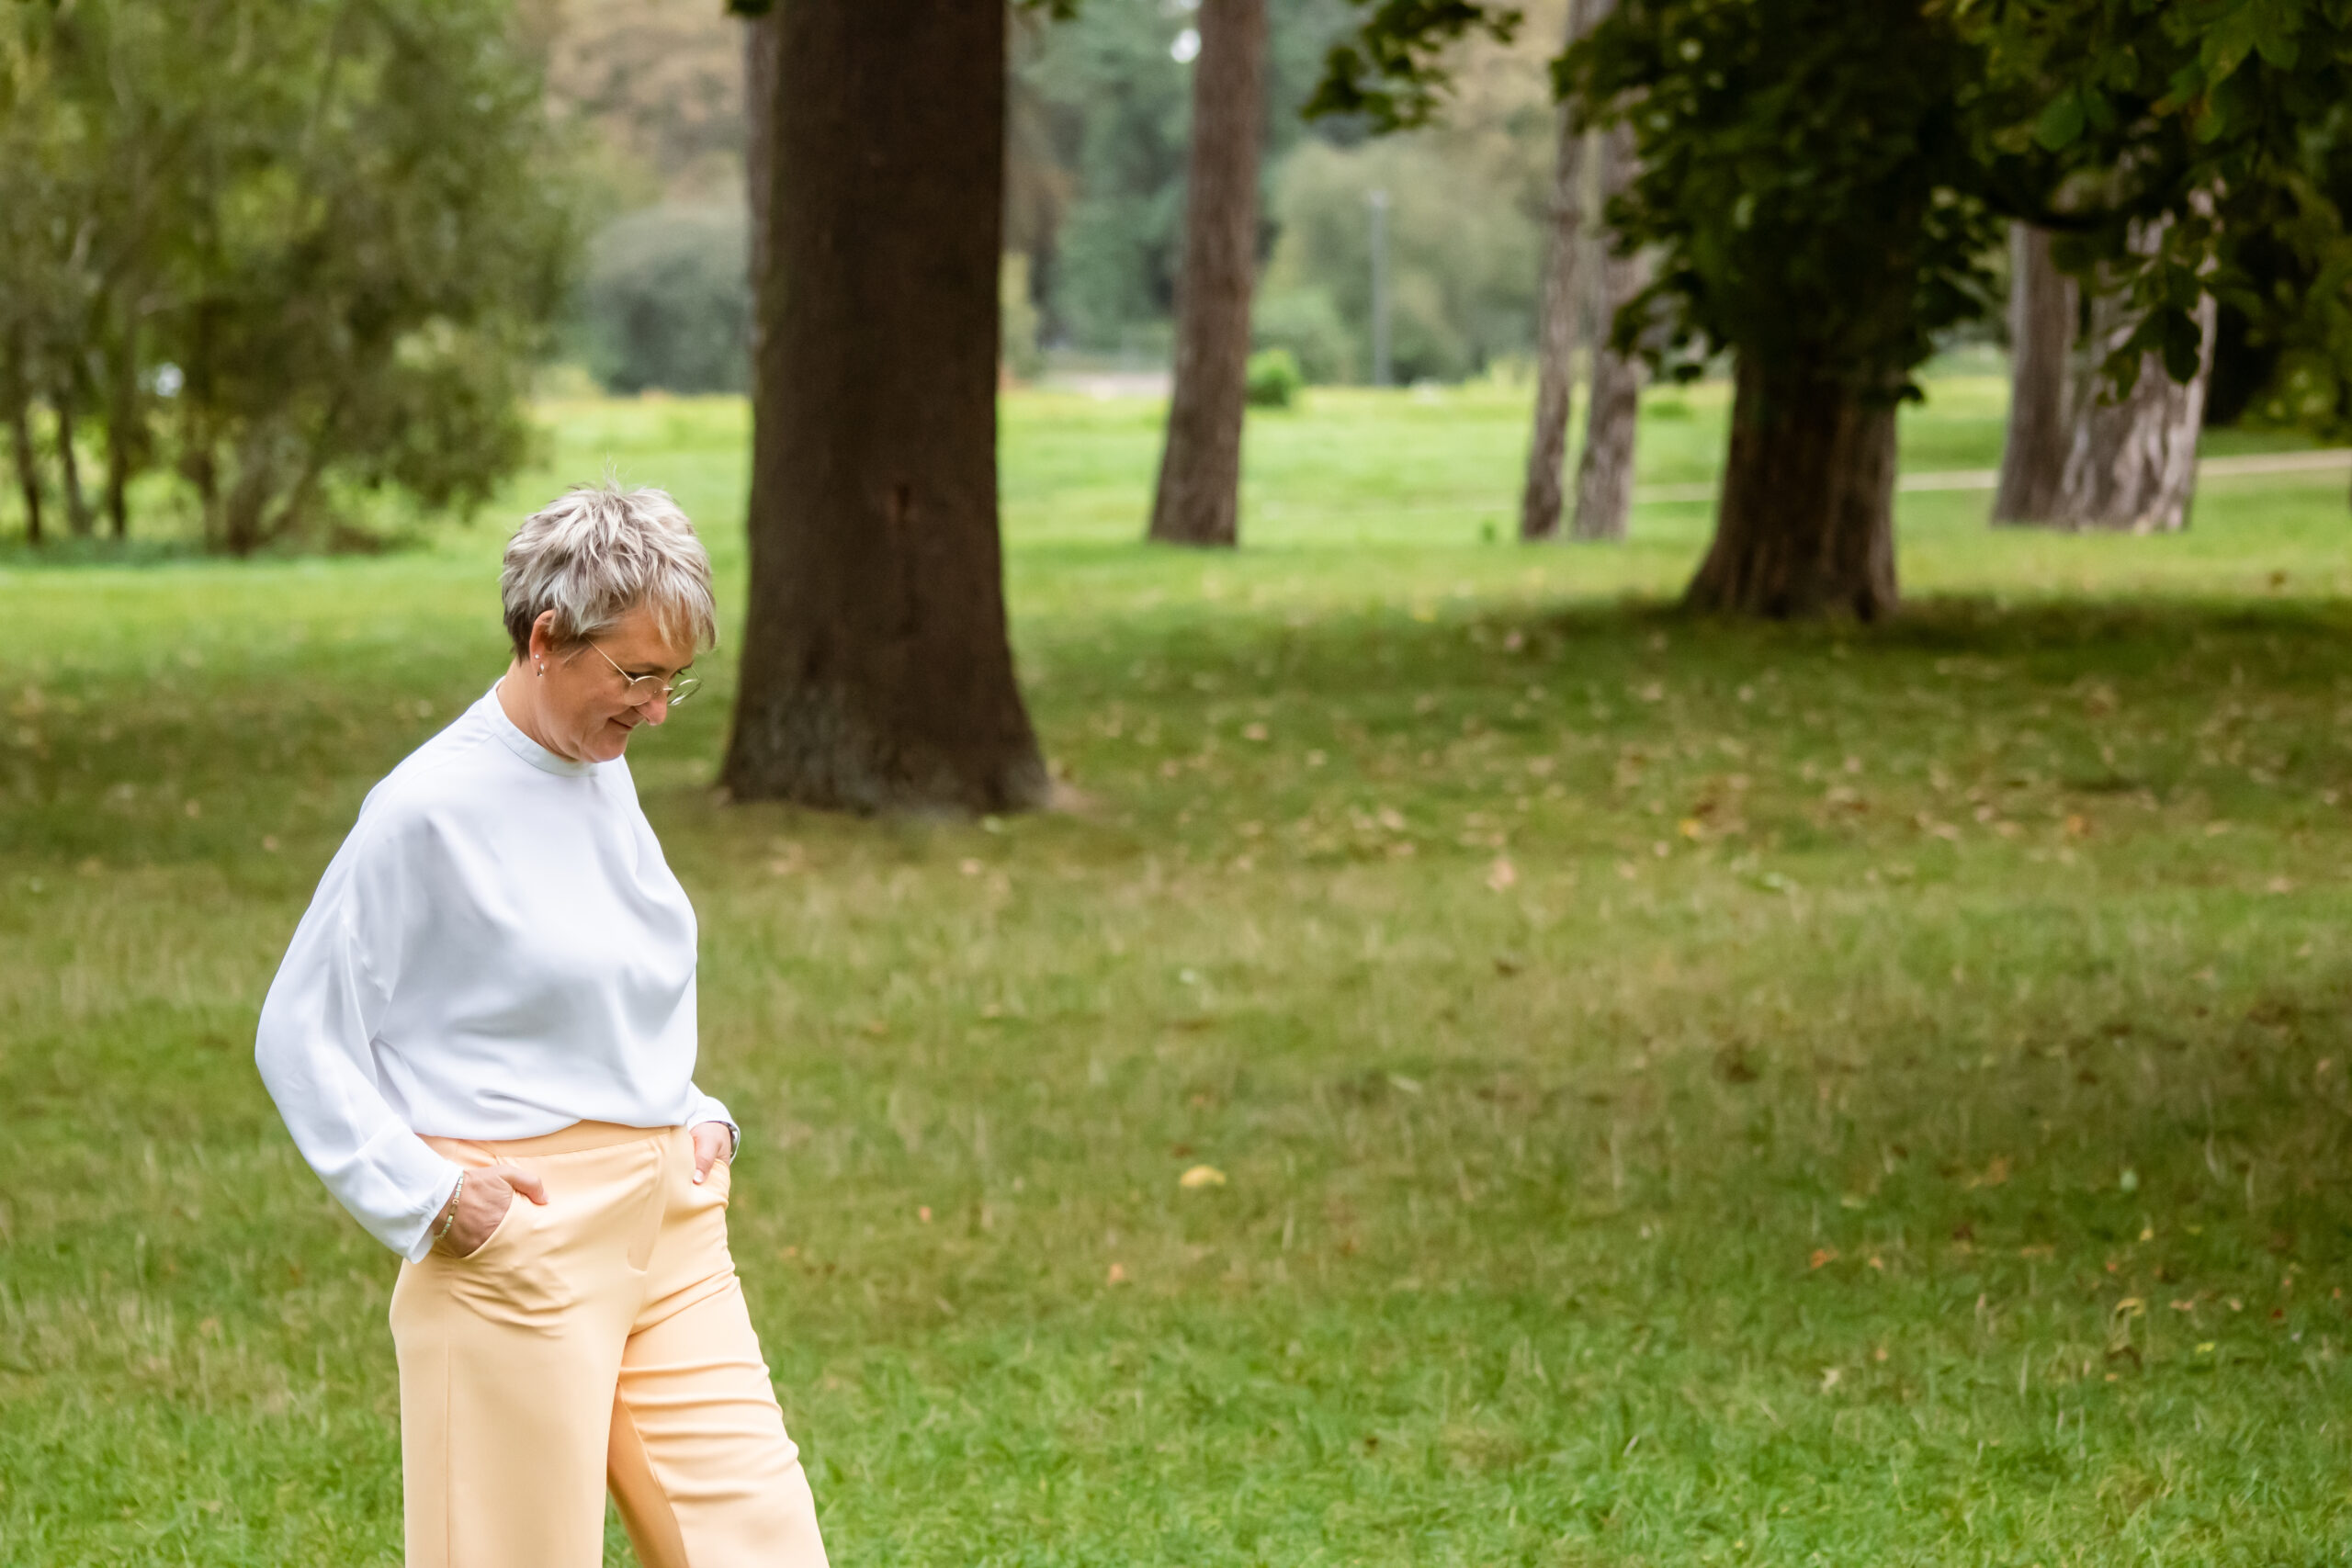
(1822, 1254)
(1118, 1275)
(1993, 1174)
(1201, 1176)
(1502, 873)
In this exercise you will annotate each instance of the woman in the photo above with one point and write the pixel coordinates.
(482, 1039)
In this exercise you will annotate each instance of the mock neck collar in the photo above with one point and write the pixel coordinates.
(510, 736)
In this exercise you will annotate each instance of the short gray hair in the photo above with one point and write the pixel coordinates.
(596, 552)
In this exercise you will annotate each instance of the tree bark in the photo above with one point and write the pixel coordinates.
(2043, 307)
(1605, 474)
(1806, 524)
(126, 430)
(1556, 319)
(2132, 462)
(875, 674)
(20, 431)
(759, 75)
(77, 504)
(1198, 499)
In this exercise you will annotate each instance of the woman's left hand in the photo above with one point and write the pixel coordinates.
(714, 1141)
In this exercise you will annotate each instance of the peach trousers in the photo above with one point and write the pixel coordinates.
(599, 1341)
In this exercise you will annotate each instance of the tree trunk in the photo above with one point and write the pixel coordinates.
(1198, 496)
(760, 72)
(20, 431)
(77, 505)
(2132, 462)
(2042, 306)
(1806, 524)
(1555, 318)
(875, 674)
(126, 432)
(1605, 475)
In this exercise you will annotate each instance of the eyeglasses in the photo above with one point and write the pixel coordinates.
(642, 688)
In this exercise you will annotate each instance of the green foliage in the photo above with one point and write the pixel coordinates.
(667, 303)
(1304, 322)
(1464, 253)
(1274, 379)
(2174, 143)
(1812, 178)
(1100, 116)
(1389, 70)
(1994, 1001)
(2219, 124)
(343, 229)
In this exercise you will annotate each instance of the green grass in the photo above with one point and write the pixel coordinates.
(1690, 1092)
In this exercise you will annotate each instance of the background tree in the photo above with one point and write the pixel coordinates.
(1198, 499)
(333, 235)
(2043, 308)
(1825, 255)
(1558, 314)
(875, 673)
(2132, 450)
(2212, 133)
(1811, 177)
(1605, 473)
(1098, 144)
(667, 300)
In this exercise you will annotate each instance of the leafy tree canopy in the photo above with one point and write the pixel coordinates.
(1792, 146)
(317, 246)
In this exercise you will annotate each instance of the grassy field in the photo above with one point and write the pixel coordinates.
(1688, 1093)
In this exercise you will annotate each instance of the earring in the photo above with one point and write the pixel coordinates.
(541, 669)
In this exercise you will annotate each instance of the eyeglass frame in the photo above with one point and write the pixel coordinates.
(674, 689)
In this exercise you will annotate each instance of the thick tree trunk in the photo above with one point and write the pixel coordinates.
(1198, 496)
(1806, 524)
(2132, 462)
(1605, 474)
(875, 674)
(2042, 306)
(1555, 318)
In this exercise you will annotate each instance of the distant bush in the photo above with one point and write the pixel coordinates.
(1274, 378)
(667, 302)
(1465, 250)
(1306, 323)
(1023, 360)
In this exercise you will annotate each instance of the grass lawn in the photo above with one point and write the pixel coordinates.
(1688, 1093)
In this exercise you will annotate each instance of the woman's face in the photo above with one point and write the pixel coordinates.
(583, 703)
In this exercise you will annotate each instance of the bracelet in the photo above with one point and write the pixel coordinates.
(454, 1193)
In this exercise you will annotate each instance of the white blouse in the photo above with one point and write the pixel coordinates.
(497, 951)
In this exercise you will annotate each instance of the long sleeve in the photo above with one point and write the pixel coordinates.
(315, 1054)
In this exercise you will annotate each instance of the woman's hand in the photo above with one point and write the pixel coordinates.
(714, 1141)
(483, 1203)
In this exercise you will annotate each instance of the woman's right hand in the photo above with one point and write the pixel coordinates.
(488, 1192)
